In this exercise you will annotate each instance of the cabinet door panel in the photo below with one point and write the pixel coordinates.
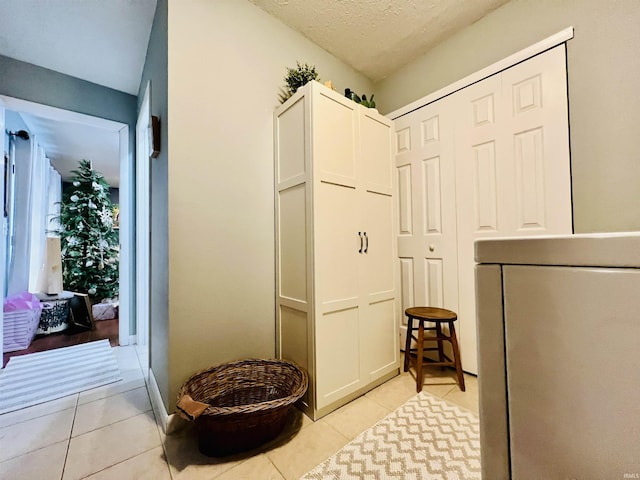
(577, 373)
(378, 259)
(292, 250)
(375, 151)
(338, 355)
(337, 243)
(379, 339)
(334, 138)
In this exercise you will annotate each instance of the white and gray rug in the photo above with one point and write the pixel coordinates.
(426, 438)
(39, 377)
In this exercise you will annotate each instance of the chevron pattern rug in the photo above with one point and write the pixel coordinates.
(426, 438)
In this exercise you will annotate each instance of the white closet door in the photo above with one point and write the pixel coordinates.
(427, 246)
(512, 165)
(491, 160)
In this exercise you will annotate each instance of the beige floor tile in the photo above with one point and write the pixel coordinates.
(142, 352)
(356, 416)
(439, 390)
(255, 468)
(394, 392)
(437, 376)
(467, 399)
(40, 410)
(131, 379)
(33, 434)
(186, 462)
(43, 464)
(309, 447)
(106, 411)
(149, 465)
(126, 357)
(96, 450)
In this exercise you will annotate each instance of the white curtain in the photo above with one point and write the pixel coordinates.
(39, 211)
(37, 193)
(21, 236)
(54, 199)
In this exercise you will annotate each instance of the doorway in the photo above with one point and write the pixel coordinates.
(117, 135)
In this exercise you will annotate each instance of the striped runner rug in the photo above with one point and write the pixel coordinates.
(39, 377)
(426, 438)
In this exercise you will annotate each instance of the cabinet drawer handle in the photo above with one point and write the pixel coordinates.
(366, 242)
(360, 235)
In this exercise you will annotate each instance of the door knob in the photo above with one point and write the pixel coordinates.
(432, 247)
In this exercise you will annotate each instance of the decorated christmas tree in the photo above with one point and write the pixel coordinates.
(89, 239)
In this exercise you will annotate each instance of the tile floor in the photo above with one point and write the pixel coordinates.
(111, 433)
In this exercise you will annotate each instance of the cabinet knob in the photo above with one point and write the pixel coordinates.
(432, 247)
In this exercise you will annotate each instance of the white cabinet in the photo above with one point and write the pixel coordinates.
(336, 284)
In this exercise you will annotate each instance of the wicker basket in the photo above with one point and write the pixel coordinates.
(240, 405)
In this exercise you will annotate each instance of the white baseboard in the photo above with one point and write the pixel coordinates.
(169, 423)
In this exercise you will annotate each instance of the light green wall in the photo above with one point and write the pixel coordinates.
(604, 74)
(226, 62)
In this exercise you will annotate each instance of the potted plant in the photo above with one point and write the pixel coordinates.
(296, 78)
(361, 100)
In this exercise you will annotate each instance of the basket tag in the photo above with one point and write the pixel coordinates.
(190, 409)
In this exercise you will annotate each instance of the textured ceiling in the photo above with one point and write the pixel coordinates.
(377, 37)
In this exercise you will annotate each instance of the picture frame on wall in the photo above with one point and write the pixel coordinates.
(80, 312)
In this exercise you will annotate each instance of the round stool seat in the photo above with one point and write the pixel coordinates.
(431, 314)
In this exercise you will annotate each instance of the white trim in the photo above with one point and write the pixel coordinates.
(47, 111)
(126, 227)
(142, 182)
(511, 60)
(169, 423)
(156, 401)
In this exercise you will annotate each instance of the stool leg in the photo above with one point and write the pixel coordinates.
(407, 343)
(456, 355)
(440, 349)
(419, 356)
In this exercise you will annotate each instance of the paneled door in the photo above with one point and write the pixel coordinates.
(491, 160)
(512, 167)
(427, 245)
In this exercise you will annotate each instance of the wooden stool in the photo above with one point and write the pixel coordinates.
(437, 316)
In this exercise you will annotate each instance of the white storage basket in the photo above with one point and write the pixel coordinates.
(19, 329)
